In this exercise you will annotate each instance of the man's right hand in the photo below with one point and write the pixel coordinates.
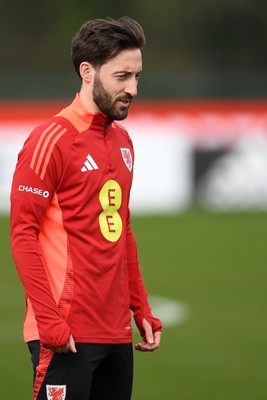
(66, 348)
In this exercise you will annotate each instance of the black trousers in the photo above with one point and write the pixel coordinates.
(95, 372)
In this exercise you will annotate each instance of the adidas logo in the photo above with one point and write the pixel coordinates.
(89, 164)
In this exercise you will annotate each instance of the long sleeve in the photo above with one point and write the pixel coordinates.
(33, 187)
(138, 295)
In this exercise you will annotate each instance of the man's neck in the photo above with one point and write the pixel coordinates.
(87, 100)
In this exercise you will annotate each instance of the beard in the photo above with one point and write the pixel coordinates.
(107, 105)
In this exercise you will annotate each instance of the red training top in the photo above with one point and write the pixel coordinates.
(70, 231)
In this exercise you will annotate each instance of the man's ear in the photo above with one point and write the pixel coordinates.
(86, 71)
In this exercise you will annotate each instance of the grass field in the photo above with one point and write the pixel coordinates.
(217, 266)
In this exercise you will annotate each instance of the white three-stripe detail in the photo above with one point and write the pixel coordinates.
(89, 164)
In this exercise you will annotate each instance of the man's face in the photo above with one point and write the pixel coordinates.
(115, 84)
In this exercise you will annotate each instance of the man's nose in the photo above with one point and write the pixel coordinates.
(131, 87)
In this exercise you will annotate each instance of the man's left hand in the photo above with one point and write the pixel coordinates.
(152, 340)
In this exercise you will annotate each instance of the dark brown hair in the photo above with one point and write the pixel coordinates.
(100, 40)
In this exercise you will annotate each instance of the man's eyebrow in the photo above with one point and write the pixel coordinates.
(125, 72)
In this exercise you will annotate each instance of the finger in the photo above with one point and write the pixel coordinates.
(148, 331)
(157, 338)
(66, 348)
(72, 346)
(58, 349)
(145, 347)
(140, 347)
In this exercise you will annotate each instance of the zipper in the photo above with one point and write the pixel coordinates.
(110, 168)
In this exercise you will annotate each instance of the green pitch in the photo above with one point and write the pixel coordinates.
(217, 266)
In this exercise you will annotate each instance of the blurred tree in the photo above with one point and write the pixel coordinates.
(184, 35)
(186, 38)
(204, 35)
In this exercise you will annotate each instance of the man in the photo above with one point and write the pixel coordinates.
(70, 228)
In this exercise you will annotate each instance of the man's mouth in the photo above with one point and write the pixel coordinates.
(125, 101)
